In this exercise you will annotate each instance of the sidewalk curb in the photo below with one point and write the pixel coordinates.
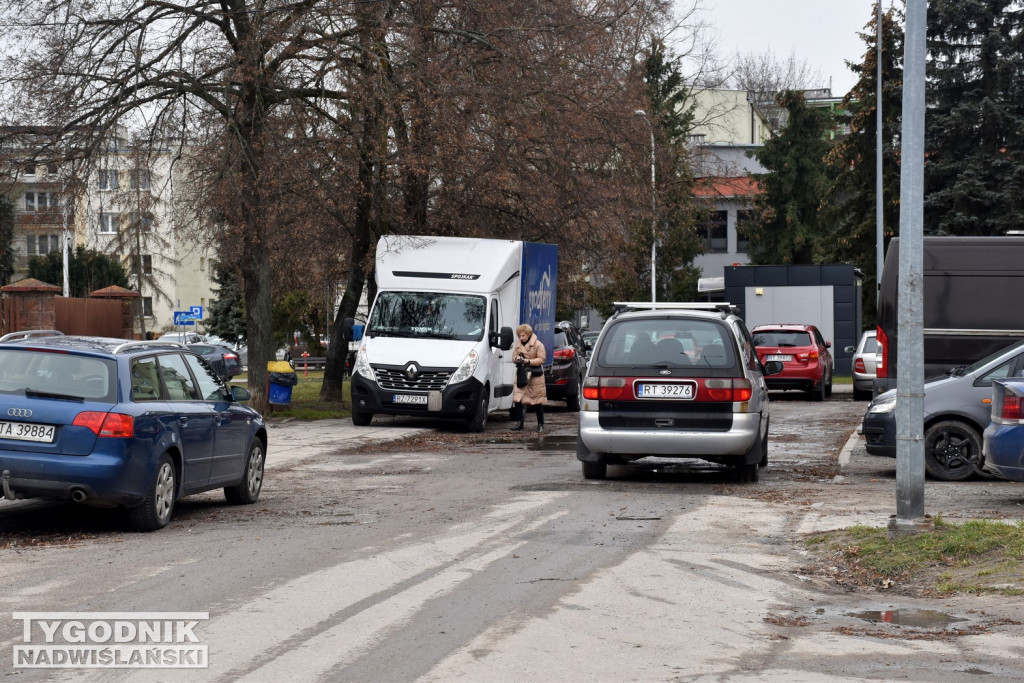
(847, 450)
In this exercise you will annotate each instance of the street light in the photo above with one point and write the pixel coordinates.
(654, 215)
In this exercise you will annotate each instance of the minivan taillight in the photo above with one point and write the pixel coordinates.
(106, 424)
(732, 390)
(882, 367)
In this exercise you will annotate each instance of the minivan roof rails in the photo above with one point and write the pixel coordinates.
(719, 306)
(149, 344)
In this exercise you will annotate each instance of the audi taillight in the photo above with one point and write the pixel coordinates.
(106, 424)
(1010, 405)
(882, 367)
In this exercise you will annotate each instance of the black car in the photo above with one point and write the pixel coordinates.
(224, 361)
(564, 378)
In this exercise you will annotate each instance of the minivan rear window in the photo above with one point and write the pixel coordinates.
(58, 374)
(674, 342)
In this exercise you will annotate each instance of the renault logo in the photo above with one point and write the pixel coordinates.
(19, 412)
(411, 371)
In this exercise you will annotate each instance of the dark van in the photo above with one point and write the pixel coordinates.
(972, 290)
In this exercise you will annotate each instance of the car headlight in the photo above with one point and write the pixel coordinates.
(363, 365)
(882, 405)
(467, 368)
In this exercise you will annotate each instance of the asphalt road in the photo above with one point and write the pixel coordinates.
(488, 557)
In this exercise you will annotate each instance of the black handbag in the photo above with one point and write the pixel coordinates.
(522, 375)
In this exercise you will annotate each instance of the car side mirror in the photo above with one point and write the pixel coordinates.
(240, 394)
(828, 345)
(773, 367)
(850, 349)
(505, 338)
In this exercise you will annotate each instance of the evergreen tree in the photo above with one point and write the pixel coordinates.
(88, 270)
(974, 136)
(788, 228)
(225, 316)
(849, 210)
(6, 240)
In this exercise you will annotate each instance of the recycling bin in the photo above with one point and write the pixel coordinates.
(280, 380)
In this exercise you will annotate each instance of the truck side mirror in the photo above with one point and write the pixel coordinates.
(505, 339)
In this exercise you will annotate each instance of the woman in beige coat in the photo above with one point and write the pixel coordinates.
(530, 351)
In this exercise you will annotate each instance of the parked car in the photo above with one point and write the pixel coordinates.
(804, 354)
(676, 381)
(589, 339)
(238, 347)
(864, 360)
(132, 423)
(957, 407)
(183, 337)
(1003, 439)
(224, 361)
(564, 379)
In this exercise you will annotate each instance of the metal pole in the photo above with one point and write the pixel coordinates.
(910, 382)
(879, 226)
(654, 214)
(65, 239)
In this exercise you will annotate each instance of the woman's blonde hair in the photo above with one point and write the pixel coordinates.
(524, 328)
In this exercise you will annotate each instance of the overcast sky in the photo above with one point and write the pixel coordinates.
(822, 32)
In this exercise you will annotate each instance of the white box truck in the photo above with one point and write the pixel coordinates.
(439, 335)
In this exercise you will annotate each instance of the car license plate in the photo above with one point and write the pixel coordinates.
(414, 399)
(683, 391)
(782, 357)
(26, 431)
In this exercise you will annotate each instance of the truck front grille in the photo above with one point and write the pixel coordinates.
(425, 380)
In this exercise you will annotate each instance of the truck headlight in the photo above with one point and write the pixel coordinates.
(882, 405)
(467, 368)
(363, 365)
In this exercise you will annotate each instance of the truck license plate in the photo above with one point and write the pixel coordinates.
(414, 399)
(671, 390)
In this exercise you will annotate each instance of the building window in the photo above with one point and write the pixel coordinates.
(110, 223)
(30, 170)
(147, 306)
(743, 219)
(108, 179)
(716, 232)
(40, 201)
(143, 221)
(138, 179)
(40, 245)
(51, 169)
(147, 264)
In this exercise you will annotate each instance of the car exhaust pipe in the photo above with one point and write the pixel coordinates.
(8, 492)
(78, 495)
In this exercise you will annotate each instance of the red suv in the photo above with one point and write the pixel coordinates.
(805, 356)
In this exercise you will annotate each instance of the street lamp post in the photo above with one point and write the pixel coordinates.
(654, 215)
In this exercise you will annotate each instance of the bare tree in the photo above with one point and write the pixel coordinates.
(764, 76)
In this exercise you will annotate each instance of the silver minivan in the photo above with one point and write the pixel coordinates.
(678, 381)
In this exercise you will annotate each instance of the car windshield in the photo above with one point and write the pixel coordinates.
(57, 375)
(667, 341)
(428, 315)
(781, 338)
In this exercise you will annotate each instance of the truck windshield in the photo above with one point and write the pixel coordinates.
(428, 315)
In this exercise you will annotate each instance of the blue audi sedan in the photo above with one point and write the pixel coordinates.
(109, 422)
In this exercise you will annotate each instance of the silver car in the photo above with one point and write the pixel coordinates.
(957, 408)
(864, 364)
(675, 380)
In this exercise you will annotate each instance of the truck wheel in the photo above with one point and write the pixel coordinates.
(951, 449)
(478, 422)
(155, 511)
(361, 419)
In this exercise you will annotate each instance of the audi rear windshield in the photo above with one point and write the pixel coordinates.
(428, 315)
(49, 374)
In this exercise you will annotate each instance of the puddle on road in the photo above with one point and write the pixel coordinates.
(918, 618)
(554, 443)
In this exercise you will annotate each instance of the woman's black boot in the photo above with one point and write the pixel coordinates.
(518, 426)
